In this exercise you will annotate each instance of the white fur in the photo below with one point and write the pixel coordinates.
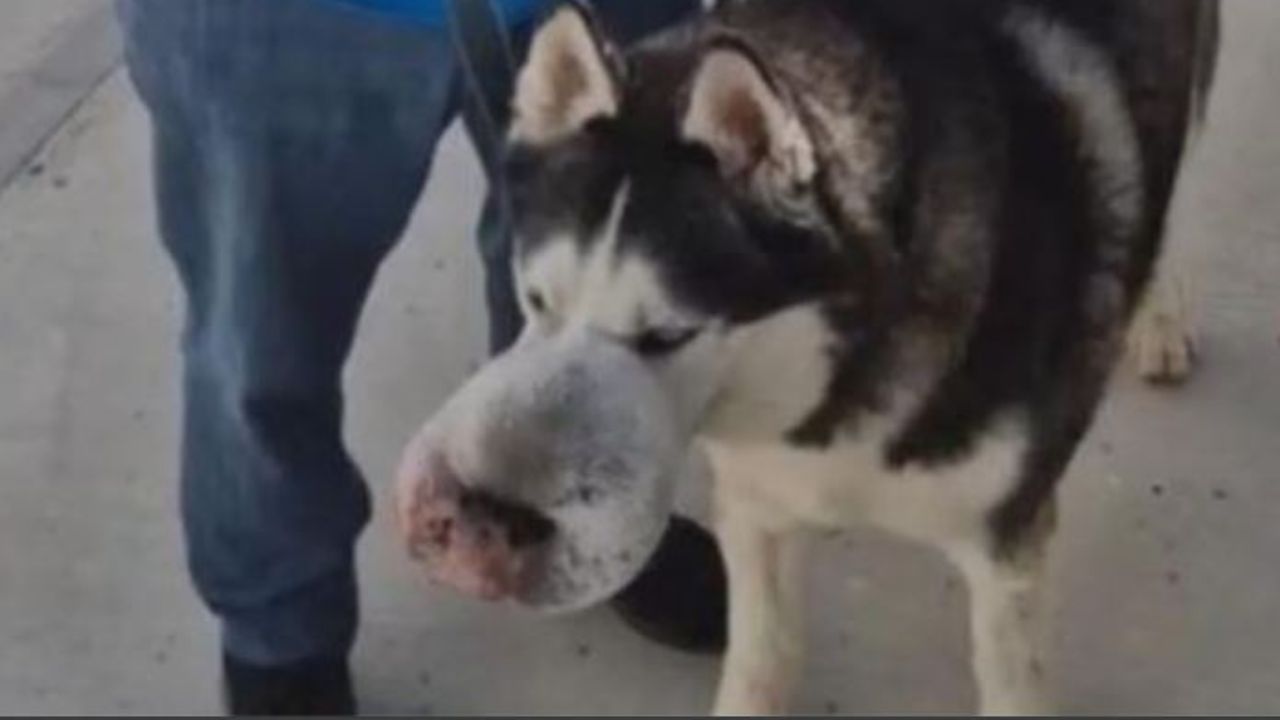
(607, 291)
(766, 610)
(551, 273)
(850, 485)
(775, 373)
(1006, 630)
(619, 296)
(1162, 339)
(769, 495)
(565, 277)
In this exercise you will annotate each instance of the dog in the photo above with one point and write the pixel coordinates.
(877, 261)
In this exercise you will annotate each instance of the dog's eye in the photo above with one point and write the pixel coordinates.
(659, 342)
(536, 301)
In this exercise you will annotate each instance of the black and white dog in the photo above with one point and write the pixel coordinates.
(876, 259)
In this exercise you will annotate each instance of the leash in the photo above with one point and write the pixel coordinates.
(484, 53)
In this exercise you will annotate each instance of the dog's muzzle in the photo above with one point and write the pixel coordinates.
(547, 479)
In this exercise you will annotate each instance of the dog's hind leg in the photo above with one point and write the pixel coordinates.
(766, 613)
(1006, 624)
(1161, 339)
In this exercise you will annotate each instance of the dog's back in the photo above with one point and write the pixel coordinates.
(1163, 51)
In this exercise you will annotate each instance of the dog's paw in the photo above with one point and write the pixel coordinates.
(759, 702)
(756, 692)
(1164, 348)
(1162, 341)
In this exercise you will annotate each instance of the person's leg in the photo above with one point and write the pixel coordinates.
(291, 139)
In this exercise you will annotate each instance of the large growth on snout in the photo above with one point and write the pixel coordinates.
(547, 479)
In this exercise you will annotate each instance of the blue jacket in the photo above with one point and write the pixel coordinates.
(433, 12)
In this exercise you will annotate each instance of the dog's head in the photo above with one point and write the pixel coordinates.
(674, 257)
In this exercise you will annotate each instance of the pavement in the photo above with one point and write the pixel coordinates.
(53, 55)
(1166, 596)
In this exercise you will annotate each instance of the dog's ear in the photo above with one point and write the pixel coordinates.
(569, 79)
(738, 111)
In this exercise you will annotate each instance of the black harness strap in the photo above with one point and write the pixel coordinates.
(484, 52)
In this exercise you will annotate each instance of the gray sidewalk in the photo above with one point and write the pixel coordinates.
(1167, 596)
(52, 54)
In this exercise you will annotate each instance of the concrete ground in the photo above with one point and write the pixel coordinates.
(1167, 596)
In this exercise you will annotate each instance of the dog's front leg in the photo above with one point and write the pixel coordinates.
(766, 613)
(1006, 625)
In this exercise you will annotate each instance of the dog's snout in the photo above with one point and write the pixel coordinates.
(489, 493)
(522, 526)
(476, 541)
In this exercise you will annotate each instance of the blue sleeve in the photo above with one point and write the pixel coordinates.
(432, 12)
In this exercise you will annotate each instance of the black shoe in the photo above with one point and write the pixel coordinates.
(314, 687)
(680, 599)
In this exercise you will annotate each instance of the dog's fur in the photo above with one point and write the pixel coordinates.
(881, 255)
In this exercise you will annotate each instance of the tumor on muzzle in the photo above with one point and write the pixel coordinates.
(554, 468)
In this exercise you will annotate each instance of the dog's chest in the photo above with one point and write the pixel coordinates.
(850, 485)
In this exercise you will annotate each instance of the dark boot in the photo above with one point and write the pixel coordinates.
(681, 598)
(315, 687)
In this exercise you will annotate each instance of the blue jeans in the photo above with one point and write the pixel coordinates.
(292, 139)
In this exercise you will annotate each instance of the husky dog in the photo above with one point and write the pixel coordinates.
(878, 258)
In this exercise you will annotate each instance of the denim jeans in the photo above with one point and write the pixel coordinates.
(292, 139)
